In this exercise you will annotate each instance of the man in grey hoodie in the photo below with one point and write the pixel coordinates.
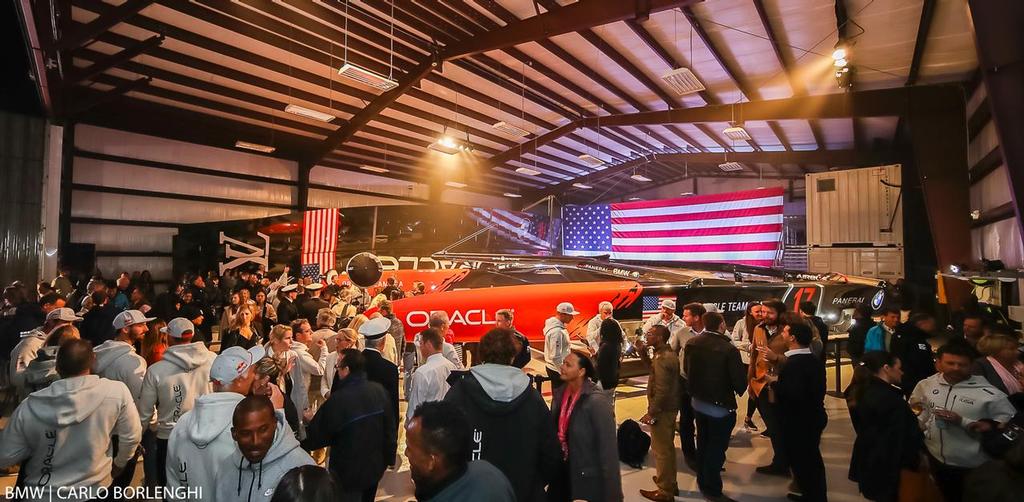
(65, 429)
(31, 341)
(116, 360)
(201, 441)
(556, 341)
(172, 385)
(266, 451)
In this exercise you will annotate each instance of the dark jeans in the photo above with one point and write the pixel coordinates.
(149, 461)
(161, 461)
(751, 405)
(949, 478)
(687, 430)
(774, 429)
(125, 478)
(803, 448)
(712, 441)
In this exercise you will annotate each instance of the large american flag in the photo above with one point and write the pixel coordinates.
(319, 242)
(737, 227)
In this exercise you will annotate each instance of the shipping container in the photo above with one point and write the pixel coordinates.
(855, 207)
(880, 263)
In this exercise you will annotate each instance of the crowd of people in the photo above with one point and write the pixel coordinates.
(299, 398)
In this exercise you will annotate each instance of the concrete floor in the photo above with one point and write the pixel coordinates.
(746, 451)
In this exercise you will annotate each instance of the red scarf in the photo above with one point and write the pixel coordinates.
(569, 400)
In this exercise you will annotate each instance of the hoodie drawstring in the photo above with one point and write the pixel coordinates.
(259, 484)
(239, 492)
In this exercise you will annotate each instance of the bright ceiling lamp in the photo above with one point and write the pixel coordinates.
(373, 169)
(736, 133)
(367, 77)
(512, 195)
(582, 186)
(527, 171)
(308, 113)
(455, 184)
(254, 146)
(841, 63)
(641, 178)
(730, 166)
(839, 53)
(447, 145)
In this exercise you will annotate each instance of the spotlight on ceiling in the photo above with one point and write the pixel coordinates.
(447, 145)
(730, 167)
(839, 53)
(841, 63)
(254, 146)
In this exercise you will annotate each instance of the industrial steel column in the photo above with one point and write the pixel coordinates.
(1000, 41)
(67, 172)
(938, 135)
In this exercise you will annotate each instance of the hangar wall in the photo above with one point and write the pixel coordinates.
(995, 234)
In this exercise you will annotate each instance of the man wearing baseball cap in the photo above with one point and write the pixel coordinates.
(201, 439)
(556, 341)
(172, 384)
(31, 341)
(116, 360)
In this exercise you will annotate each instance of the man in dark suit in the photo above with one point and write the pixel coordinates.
(309, 308)
(287, 311)
(800, 396)
(378, 369)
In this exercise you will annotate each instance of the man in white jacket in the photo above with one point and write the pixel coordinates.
(31, 341)
(604, 311)
(116, 360)
(172, 385)
(430, 381)
(556, 341)
(65, 430)
(201, 440)
(305, 367)
(266, 451)
(956, 408)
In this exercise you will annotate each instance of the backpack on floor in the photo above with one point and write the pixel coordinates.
(633, 444)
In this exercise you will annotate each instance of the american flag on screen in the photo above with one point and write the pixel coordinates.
(319, 242)
(738, 227)
(517, 226)
(651, 304)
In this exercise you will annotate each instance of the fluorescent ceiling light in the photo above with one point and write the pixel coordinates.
(736, 133)
(254, 146)
(511, 130)
(582, 186)
(374, 169)
(731, 166)
(367, 77)
(455, 184)
(683, 81)
(310, 114)
(513, 195)
(591, 160)
(641, 178)
(447, 145)
(686, 194)
(527, 171)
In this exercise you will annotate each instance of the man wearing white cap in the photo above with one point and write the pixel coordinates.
(287, 311)
(201, 440)
(116, 360)
(173, 384)
(556, 341)
(31, 341)
(309, 308)
(604, 311)
(378, 369)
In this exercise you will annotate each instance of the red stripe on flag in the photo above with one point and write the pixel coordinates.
(699, 232)
(701, 199)
(699, 248)
(666, 218)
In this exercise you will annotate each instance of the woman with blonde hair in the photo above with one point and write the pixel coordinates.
(347, 338)
(230, 312)
(241, 333)
(154, 343)
(1000, 365)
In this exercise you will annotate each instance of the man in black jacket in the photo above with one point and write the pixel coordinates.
(357, 423)
(910, 344)
(381, 370)
(512, 427)
(287, 311)
(716, 375)
(800, 394)
(809, 311)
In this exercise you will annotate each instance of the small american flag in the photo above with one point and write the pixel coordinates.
(652, 305)
(737, 227)
(319, 242)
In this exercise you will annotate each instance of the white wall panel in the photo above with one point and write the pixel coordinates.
(991, 191)
(131, 207)
(1000, 240)
(325, 198)
(125, 238)
(160, 268)
(140, 146)
(321, 175)
(115, 174)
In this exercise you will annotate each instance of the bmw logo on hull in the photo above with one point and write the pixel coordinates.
(876, 301)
